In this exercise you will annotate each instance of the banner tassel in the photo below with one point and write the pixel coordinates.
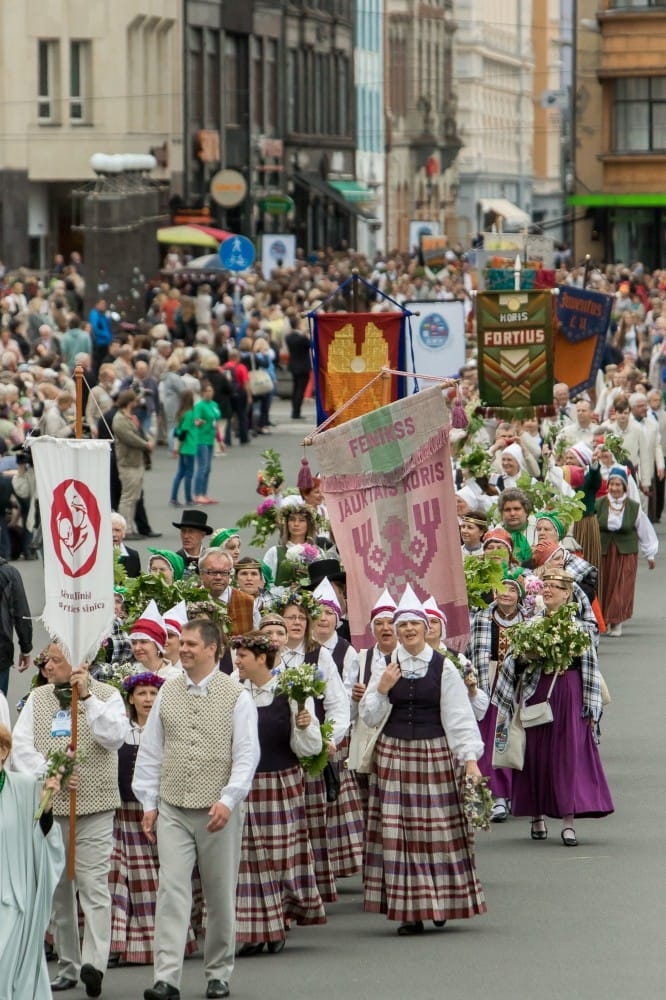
(305, 481)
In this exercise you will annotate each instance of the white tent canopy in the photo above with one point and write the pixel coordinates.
(511, 214)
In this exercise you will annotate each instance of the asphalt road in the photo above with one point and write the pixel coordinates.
(562, 923)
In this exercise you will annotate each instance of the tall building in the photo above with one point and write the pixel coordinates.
(76, 81)
(494, 67)
(421, 107)
(620, 131)
(370, 131)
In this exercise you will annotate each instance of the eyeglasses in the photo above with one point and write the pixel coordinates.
(216, 572)
(554, 586)
(296, 618)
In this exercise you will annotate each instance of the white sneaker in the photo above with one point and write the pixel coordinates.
(499, 813)
(618, 631)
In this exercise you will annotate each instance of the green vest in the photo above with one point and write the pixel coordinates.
(626, 538)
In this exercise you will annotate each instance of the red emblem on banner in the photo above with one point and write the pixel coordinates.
(75, 524)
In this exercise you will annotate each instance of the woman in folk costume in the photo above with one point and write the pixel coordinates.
(419, 862)
(174, 619)
(276, 880)
(148, 636)
(488, 646)
(562, 775)
(345, 815)
(299, 610)
(32, 858)
(435, 637)
(581, 472)
(297, 523)
(625, 530)
(549, 554)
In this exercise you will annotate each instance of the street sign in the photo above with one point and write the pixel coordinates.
(228, 188)
(237, 253)
(276, 204)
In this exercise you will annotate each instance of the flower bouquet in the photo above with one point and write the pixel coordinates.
(263, 521)
(301, 682)
(299, 558)
(477, 802)
(533, 600)
(477, 461)
(314, 765)
(551, 642)
(271, 477)
(58, 762)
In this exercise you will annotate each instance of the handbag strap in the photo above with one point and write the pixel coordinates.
(552, 685)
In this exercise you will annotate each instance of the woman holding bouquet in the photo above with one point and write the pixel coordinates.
(276, 881)
(299, 609)
(562, 775)
(298, 527)
(419, 862)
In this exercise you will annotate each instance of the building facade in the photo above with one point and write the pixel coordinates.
(77, 79)
(494, 72)
(620, 131)
(370, 131)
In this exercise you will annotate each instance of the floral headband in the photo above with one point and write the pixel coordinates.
(145, 679)
(259, 643)
(300, 599)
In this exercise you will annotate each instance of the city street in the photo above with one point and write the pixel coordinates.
(562, 923)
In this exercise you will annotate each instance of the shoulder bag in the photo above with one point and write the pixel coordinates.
(363, 742)
(539, 714)
(509, 746)
(261, 382)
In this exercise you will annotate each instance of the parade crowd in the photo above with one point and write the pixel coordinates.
(238, 756)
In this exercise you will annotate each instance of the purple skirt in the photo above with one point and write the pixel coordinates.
(563, 774)
(500, 779)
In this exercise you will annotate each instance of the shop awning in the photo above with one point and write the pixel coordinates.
(354, 191)
(512, 214)
(325, 188)
(642, 200)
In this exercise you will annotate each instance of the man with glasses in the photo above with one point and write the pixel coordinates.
(216, 569)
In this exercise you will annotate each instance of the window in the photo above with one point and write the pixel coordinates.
(212, 112)
(79, 81)
(47, 79)
(257, 49)
(231, 81)
(272, 87)
(196, 76)
(292, 89)
(640, 115)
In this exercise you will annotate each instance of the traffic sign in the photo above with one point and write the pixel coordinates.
(228, 188)
(237, 253)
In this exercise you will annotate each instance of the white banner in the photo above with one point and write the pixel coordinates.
(277, 250)
(438, 338)
(75, 508)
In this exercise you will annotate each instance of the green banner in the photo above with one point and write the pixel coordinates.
(515, 348)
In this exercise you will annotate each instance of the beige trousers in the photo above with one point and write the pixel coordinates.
(131, 481)
(94, 841)
(182, 840)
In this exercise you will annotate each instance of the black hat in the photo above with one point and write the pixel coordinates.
(322, 568)
(194, 519)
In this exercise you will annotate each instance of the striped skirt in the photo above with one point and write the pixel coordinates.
(316, 812)
(419, 858)
(345, 826)
(133, 881)
(276, 881)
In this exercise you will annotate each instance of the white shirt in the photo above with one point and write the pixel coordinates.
(460, 726)
(244, 750)
(107, 721)
(4, 712)
(336, 702)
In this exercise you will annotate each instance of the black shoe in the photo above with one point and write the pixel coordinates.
(439, 923)
(217, 988)
(61, 983)
(568, 836)
(151, 534)
(249, 950)
(538, 834)
(411, 928)
(161, 991)
(91, 979)
(275, 947)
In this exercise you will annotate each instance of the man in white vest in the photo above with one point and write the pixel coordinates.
(44, 725)
(197, 758)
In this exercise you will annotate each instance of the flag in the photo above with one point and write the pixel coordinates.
(582, 319)
(438, 338)
(515, 348)
(74, 502)
(349, 350)
(388, 486)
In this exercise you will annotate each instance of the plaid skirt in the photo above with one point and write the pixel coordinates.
(276, 881)
(345, 825)
(419, 857)
(316, 812)
(133, 881)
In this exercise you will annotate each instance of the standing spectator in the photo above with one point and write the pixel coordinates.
(99, 398)
(130, 448)
(54, 421)
(101, 332)
(184, 448)
(14, 617)
(75, 341)
(240, 397)
(171, 388)
(44, 725)
(200, 818)
(145, 386)
(300, 365)
(206, 417)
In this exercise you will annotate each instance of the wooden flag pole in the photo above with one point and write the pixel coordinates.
(71, 847)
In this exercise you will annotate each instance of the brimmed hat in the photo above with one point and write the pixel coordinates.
(322, 569)
(194, 519)
(150, 626)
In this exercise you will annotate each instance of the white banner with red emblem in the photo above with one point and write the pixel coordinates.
(75, 508)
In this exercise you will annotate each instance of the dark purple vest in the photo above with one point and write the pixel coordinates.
(126, 761)
(416, 705)
(339, 652)
(313, 658)
(274, 735)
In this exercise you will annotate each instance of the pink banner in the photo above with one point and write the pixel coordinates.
(388, 485)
